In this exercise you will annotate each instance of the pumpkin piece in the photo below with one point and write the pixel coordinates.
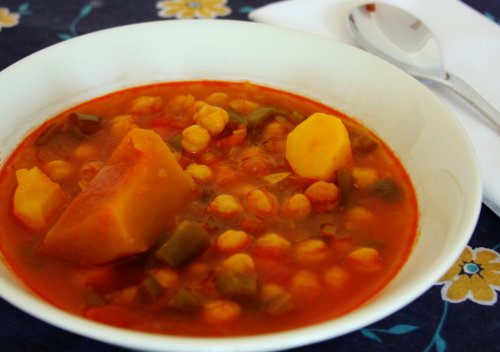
(318, 146)
(125, 207)
(37, 198)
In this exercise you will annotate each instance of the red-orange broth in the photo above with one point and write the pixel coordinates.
(313, 267)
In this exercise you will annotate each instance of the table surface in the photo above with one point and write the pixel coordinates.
(460, 313)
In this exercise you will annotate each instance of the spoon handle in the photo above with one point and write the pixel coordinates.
(470, 95)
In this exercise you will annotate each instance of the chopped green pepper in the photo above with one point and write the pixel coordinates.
(91, 298)
(328, 230)
(279, 305)
(236, 285)
(387, 189)
(185, 300)
(49, 133)
(148, 290)
(362, 142)
(261, 115)
(175, 142)
(86, 123)
(187, 242)
(295, 117)
(236, 117)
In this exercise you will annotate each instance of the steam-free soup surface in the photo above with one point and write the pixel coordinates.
(205, 208)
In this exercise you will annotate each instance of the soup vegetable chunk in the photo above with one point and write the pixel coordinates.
(205, 208)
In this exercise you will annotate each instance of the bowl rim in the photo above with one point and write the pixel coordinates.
(31, 304)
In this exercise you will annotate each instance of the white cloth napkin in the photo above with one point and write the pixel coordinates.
(470, 45)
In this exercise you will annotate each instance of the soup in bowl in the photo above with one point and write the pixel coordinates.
(219, 191)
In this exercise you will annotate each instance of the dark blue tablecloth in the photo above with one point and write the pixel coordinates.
(460, 313)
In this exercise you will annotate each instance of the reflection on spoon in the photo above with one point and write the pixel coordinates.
(404, 40)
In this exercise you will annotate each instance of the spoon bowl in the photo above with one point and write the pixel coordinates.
(404, 40)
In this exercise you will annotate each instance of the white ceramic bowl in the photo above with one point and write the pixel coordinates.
(422, 132)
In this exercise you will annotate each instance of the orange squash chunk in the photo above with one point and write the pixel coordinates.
(125, 207)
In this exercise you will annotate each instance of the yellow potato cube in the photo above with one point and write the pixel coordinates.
(37, 198)
(318, 147)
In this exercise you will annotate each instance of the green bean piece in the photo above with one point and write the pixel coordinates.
(328, 230)
(148, 290)
(387, 189)
(236, 285)
(362, 142)
(261, 115)
(49, 133)
(344, 179)
(234, 117)
(91, 298)
(185, 300)
(295, 117)
(187, 242)
(175, 142)
(285, 122)
(280, 305)
(86, 123)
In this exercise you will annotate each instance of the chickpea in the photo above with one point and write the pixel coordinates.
(322, 191)
(359, 214)
(364, 177)
(193, 186)
(166, 277)
(225, 175)
(336, 277)
(239, 263)
(270, 291)
(212, 118)
(274, 145)
(256, 162)
(200, 173)
(298, 207)
(312, 250)
(123, 297)
(197, 270)
(59, 170)
(241, 189)
(218, 99)
(181, 103)
(195, 139)
(86, 151)
(243, 106)
(252, 224)
(120, 125)
(275, 129)
(261, 203)
(225, 205)
(146, 105)
(232, 241)
(365, 259)
(221, 312)
(273, 240)
(305, 286)
(194, 108)
(358, 217)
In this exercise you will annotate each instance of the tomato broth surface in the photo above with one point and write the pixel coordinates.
(247, 238)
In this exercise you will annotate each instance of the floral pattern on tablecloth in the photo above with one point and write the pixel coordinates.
(183, 9)
(475, 276)
(8, 19)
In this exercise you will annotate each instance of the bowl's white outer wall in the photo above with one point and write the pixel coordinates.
(421, 131)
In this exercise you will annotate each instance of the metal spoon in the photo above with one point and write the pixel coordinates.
(402, 39)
